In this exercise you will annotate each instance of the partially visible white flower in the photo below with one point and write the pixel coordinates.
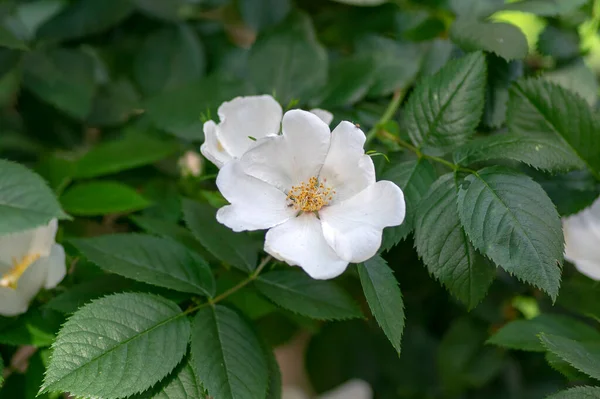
(582, 240)
(29, 260)
(190, 164)
(315, 191)
(243, 121)
(353, 389)
(324, 115)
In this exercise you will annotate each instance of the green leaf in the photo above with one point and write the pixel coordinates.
(301, 68)
(544, 8)
(117, 346)
(571, 192)
(395, 65)
(580, 294)
(37, 328)
(1, 374)
(539, 152)
(169, 58)
(25, 199)
(236, 249)
(564, 368)
(102, 197)
(61, 77)
(114, 104)
(85, 17)
(275, 383)
(540, 108)
(296, 291)
(445, 108)
(133, 150)
(349, 82)
(502, 39)
(171, 10)
(414, 178)
(442, 243)
(577, 393)
(178, 110)
(384, 298)
(584, 356)
(153, 260)
(182, 383)
(501, 74)
(9, 40)
(260, 14)
(524, 334)
(511, 220)
(227, 355)
(559, 43)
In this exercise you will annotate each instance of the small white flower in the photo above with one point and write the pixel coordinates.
(29, 260)
(316, 193)
(244, 120)
(582, 240)
(353, 389)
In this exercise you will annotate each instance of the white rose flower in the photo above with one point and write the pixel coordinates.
(242, 121)
(353, 389)
(316, 193)
(29, 260)
(582, 240)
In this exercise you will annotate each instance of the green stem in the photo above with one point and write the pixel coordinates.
(387, 115)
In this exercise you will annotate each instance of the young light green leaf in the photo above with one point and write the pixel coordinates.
(577, 393)
(133, 150)
(502, 39)
(85, 17)
(539, 152)
(227, 356)
(26, 201)
(101, 198)
(158, 261)
(182, 383)
(540, 108)
(61, 77)
(442, 243)
(414, 178)
(445, 108)
(169, 58)
(524, 334)
(102, 349)
(384, 297)
(584, 356)
(236, 249)
(544, 8)
(295, 291)
(511, 220)
(293, 44)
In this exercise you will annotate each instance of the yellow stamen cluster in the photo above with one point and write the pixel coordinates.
(10, 279)
(311, 196)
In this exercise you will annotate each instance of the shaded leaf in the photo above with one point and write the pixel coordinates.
(577, 393)
(295, 291)
(102, 197)
(584, 356)
(384, 297)
(504, 40)
(220, 340)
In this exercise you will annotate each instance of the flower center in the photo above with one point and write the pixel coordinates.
(10, 279)
(311, 196)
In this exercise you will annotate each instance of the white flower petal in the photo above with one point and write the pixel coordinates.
(324, 115)
(347, 169)
(300, 242)
(295, 156)
(55, 265)
(353, 228)
(353, 389)
(254, 116)
(212, 148)
(582, 239)
(11, 303)
(36, 241)
(254, 205)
